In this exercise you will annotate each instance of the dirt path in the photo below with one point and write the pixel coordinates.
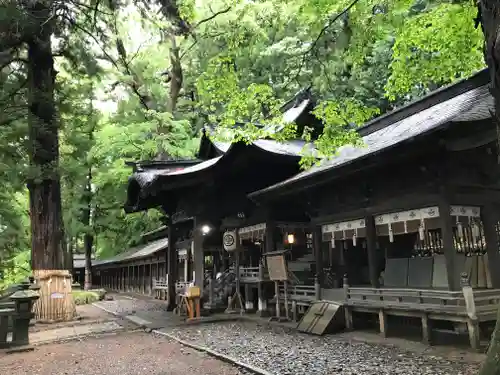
(126, 353)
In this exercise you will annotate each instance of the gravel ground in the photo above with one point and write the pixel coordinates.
(282, 352)
(122, 354)
(127, 306)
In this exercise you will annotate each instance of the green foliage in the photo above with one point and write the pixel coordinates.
(240, 63)
(435, 47)
(15, 269)
(85, 297)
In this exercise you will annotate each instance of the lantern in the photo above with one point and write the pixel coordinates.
(229, 241)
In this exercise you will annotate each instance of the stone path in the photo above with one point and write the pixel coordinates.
(65, 333)
(281, 351)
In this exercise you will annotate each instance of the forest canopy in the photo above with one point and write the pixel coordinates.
(135, 80)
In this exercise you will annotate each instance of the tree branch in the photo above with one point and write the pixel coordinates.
(214, 14)
(317, 39)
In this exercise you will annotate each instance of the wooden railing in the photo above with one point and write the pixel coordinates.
(249, 274)
(301, 293)
(162, 284)
(431, 301)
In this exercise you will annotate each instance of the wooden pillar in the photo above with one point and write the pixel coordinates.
(143, 279)
(198, 254)
(270, 244)
(470, 307)
(171, 264)
(489, 219)
(127, 285)
(371, 247)
(262, 304)
(248, 297)
(448, 243)
(318, 258)
(186, 266)
(136, 278)
(382, 321)
(426, 329)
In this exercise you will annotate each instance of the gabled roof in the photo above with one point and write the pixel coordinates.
(294, 110)
(145, 183)
(471, 104)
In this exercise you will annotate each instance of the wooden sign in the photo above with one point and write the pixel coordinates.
(56, 295)
(276, 266)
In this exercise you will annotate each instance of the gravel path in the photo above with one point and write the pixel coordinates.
(286, 353)
(283, 352)
(126, 306)
(122, 354)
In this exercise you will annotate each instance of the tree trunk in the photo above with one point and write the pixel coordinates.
(489, 17)
(47, 237)
(175, 75)
(88, 238)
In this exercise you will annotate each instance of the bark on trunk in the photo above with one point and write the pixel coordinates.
(88, 238)
(45, 188)
(489, 17)
(175, 75)
(47, 238)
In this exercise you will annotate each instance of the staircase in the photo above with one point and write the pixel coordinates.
(223, 287)
(301, 268)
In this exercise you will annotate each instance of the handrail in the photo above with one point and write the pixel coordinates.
(308, 291)
(444, 301)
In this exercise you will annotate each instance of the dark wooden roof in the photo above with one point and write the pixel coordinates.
(149, 188)
(137, 252)
(150, 180)
(297, 110)
(466, 101)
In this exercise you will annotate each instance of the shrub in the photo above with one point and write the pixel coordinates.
(84, 297)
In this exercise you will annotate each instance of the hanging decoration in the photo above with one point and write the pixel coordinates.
(474, 228)
(229, 241)
(343, 231)
(460, 229)
(421, 230)
(391, 234)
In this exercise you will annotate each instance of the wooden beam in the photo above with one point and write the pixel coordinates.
(404, 202)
